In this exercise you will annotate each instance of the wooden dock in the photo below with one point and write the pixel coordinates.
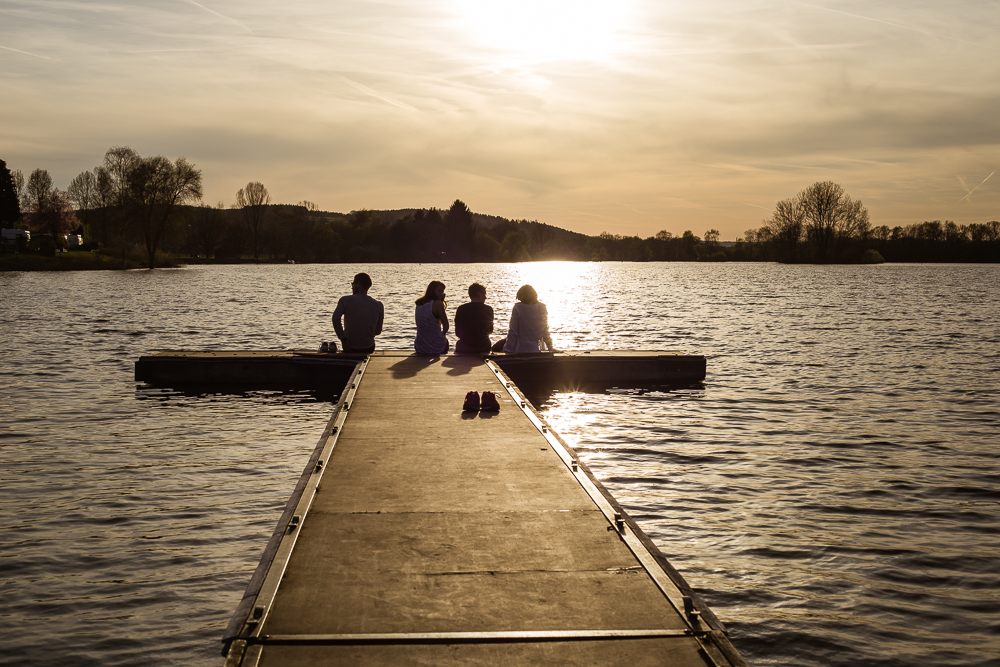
(422, 535)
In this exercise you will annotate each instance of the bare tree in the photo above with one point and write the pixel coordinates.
(119, 162)
(103, 207)
(38, 187)
(157, 186)
(18, 179)
(83, 191)
(784, 228)
(830, 216)
(253, 201)
(52, 214)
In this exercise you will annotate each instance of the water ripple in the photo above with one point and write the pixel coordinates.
(832, 490)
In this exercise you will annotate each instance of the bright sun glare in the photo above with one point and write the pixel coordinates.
(539, 30)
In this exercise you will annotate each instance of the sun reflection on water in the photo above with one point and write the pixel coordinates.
(569, 291)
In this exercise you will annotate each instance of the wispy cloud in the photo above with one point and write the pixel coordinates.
(897, 25)
(706, 116)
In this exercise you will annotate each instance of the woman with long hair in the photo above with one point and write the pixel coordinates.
(432, 321)
(529, 324)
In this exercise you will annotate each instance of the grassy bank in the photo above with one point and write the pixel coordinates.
(75, 260)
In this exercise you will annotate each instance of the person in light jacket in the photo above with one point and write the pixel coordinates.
(529, 324)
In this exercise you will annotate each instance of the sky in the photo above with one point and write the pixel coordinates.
(624, 116)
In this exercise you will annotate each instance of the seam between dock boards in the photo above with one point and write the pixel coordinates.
(474, 637)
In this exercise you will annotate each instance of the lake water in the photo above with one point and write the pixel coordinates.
(832, 491)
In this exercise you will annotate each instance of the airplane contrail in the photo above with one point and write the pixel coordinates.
(221, 16)
(974, 189)
(379, 96)
(33, 55)
(631, 208)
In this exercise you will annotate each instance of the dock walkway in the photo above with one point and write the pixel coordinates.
(420, 534)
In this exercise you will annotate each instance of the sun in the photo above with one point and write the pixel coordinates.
(542, 30)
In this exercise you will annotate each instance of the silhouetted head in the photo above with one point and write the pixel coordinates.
(361, 283)
(477, 291)
(527, 294)
(435, 292)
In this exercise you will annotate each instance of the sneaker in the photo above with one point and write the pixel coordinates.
(323, 347)
(471, 402)
(490, 402)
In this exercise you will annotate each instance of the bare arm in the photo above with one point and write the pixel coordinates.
(439, 312)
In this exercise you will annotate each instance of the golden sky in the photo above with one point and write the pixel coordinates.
(626, 117)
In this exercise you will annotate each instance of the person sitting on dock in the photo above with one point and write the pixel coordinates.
(529, 324)
(432, 321)
(474, 323)
(362, 317)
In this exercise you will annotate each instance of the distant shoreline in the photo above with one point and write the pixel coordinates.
(90, 261)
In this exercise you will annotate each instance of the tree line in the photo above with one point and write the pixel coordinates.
(149, 205)
(822, 224)
(128, 201)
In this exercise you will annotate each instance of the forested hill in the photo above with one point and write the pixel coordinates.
(304, 234)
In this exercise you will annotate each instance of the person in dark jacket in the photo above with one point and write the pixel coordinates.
(474, 322)
(362, 317)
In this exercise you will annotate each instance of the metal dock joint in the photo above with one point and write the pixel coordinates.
(255, 617)
(693, 615)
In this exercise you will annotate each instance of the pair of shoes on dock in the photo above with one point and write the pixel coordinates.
(488, 403)
(328, 347)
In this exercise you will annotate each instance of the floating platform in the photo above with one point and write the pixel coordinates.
(270, 369)
(420, 534)
(301, 369)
